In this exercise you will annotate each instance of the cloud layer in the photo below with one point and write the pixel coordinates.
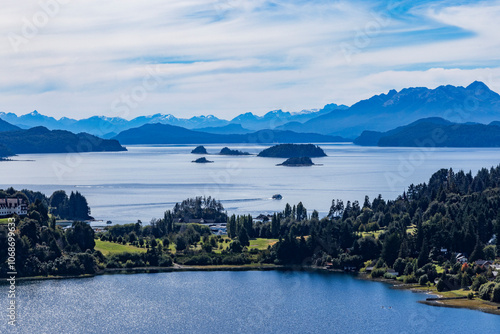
(125, 58)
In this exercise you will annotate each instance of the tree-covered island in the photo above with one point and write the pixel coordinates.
(293, 151)
(228, 151)
(297, 162)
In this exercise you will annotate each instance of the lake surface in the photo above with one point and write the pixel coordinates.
(232, 302)
(145, 181)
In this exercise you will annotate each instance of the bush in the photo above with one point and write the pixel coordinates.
(200, 260)
(495, 294)
(423, 279)
(440, 286)
(378, 273)
(470, 295)
(389, 276)
(409, 279)
(485, 291)
(165, 261)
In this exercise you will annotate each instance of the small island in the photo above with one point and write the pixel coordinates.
(199, 150)
(297, 162)
(293, 151)
(228, 151)
(202, 161)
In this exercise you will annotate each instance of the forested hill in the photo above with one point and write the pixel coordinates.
(42, 140)
(442, 133)
(453, 211)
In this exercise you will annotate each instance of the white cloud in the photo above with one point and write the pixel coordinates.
(232, 56)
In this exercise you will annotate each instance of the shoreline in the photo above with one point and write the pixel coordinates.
(443, 299)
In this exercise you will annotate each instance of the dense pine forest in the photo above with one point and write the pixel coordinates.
(417, 235)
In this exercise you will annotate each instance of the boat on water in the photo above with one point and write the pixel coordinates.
(277, 196)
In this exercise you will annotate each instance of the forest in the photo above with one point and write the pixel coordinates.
(417, 235)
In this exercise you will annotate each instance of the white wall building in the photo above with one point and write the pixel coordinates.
(10, 206)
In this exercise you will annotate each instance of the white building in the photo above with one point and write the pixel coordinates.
(10, 206)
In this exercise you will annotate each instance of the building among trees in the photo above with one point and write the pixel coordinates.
(11, 206)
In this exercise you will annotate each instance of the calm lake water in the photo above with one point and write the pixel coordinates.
(232, 302)
(145, 181)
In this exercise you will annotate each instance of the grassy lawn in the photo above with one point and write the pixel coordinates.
(4, 221)
(108, 248)
(261, 244)
(412, 229)
(374, 234)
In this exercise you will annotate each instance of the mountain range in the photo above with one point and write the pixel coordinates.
(107, 127)
(169, 134)
(434, 132)
(381, 113)
(474, 103)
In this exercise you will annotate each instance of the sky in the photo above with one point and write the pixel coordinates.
(123, 58)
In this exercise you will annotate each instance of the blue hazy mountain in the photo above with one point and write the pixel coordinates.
(42, 140)
(226, 129)
(434, 132)
(169, 134)
(474, 103)
(107, 127)
(6, 126)
(277, 118)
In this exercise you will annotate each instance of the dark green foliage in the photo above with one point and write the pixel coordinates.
(74, 207)
(200, 207)
(440, 286)
(486, 290)
(293, 151)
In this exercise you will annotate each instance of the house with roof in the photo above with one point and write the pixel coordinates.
(11, 206)
(484, 263)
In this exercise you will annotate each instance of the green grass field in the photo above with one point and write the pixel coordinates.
(107, 248)
(262, 244)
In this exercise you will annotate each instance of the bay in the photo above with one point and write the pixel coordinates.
(146, 180)
(231, 302)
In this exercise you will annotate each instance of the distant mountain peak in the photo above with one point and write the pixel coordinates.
(478, 85)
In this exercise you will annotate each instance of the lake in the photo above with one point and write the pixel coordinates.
(232, 302)
(145, 181)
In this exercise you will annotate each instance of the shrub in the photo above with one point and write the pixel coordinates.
(389, 276)
(485, 291)
(165, 261)
(423, 279)
(379, 272)
(440, 286)
(201, 260)
(409, 279)
(495, 294)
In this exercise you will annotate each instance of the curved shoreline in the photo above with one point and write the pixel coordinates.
(451, 302)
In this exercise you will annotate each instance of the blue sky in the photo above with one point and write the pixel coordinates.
(123, 58)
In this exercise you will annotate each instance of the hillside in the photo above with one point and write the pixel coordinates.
(5, 126)
(441, 132)
(224, 130)
(169, 134)
(293, 151)
(42, 140)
